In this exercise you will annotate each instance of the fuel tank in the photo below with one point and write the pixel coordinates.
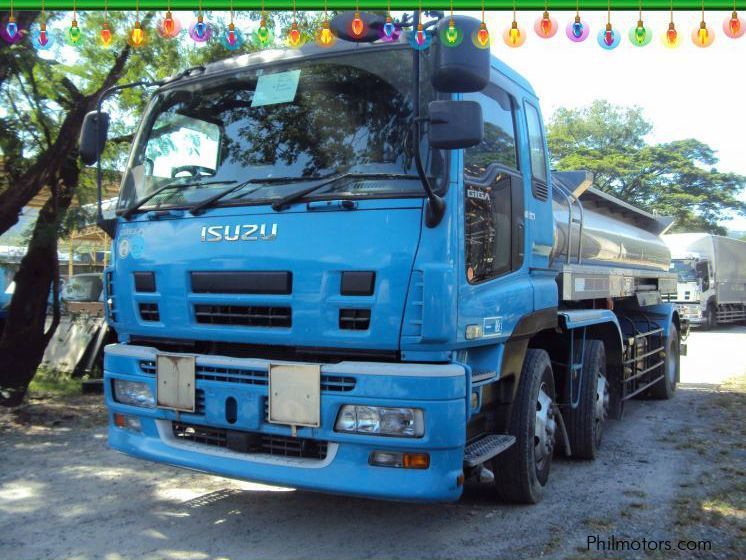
(595, 228)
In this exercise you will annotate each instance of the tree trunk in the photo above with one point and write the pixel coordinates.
(24, 337)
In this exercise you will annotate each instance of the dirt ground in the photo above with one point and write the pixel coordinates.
(669, 471)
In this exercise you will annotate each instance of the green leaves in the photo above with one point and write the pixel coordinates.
(677, 178)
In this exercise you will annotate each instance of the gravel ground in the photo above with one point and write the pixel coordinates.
(668, 471)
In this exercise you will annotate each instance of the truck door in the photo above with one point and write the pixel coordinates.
(491, 295)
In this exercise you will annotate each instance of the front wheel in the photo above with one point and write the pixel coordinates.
(710, 318)
(521, 472)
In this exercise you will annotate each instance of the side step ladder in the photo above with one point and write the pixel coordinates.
(486, 447)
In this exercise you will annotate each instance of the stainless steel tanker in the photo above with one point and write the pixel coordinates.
(605, 230)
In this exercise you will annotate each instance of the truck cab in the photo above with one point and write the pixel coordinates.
(711, 273)
(311, 290)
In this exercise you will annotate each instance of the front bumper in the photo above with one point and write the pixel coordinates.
(440, 390)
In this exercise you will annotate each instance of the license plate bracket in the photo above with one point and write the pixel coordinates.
(295, 394)
(175, 382)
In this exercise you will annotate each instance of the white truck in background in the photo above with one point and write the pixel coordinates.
(712, 277)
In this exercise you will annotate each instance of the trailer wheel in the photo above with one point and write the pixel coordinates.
(666, 387)
(585, 423)
(522, 471)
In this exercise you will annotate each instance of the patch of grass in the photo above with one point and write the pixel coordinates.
(599, 523)
(49, 381)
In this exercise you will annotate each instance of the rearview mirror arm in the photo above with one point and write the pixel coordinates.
(107, 225)
(435, 207)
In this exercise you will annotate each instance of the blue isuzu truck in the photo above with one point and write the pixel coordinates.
(351, 270)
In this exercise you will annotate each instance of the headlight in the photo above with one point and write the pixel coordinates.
(134, 393)
(381, 421)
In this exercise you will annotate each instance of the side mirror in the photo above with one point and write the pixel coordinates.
(462, 68)
(455, 124)
(93, 136)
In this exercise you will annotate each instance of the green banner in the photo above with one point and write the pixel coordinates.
(397, 5)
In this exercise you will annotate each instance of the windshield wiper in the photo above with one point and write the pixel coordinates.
(285, 202)
(197, 208)
(127, 214)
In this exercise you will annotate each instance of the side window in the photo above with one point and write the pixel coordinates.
(498, 145)
(487, 229)
(536, 144)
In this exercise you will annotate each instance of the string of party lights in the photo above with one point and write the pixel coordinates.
(419, 36)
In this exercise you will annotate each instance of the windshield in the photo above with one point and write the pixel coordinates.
(83, 288)
(277, 130)
(685, 270)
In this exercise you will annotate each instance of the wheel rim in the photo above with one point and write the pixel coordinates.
(601, 410)
(544, 428)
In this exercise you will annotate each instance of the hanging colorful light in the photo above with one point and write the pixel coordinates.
(200, 31)
(295, 37)
(169, 26)
(671, 36)
(451, 35)
(577, 30)
(703, 37)
(41, 38)
(513, 36)
(389, 31)
(481, 37)
(357, 27)
(733, 27)
(232, 39)
(324, 36)
(420, 38)
(137, 37)
(608, 38)
(262, 35)
(9, 30)
(640, 35)
(74, 36)
(546, 26)
(105, 36)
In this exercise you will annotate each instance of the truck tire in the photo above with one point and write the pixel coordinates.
(585, 423)
(666, 387)
(522, 471)
(710, 318)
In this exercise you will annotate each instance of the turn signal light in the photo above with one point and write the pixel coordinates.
(396, 459)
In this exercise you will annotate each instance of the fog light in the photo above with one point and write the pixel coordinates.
(381, 421)
(399, 460)
(133, 393)
(127, 422)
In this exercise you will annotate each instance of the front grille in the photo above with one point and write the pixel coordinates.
(243, 315)
(149, 312)
(354, 319)
(331, 383)
(251, 442)
(199, 402)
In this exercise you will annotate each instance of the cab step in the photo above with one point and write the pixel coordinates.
(486, 447)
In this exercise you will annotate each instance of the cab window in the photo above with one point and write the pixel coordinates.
(493, 196)
(536, 144)
(498, 145)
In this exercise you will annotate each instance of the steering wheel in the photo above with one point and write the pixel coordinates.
(193, 170)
